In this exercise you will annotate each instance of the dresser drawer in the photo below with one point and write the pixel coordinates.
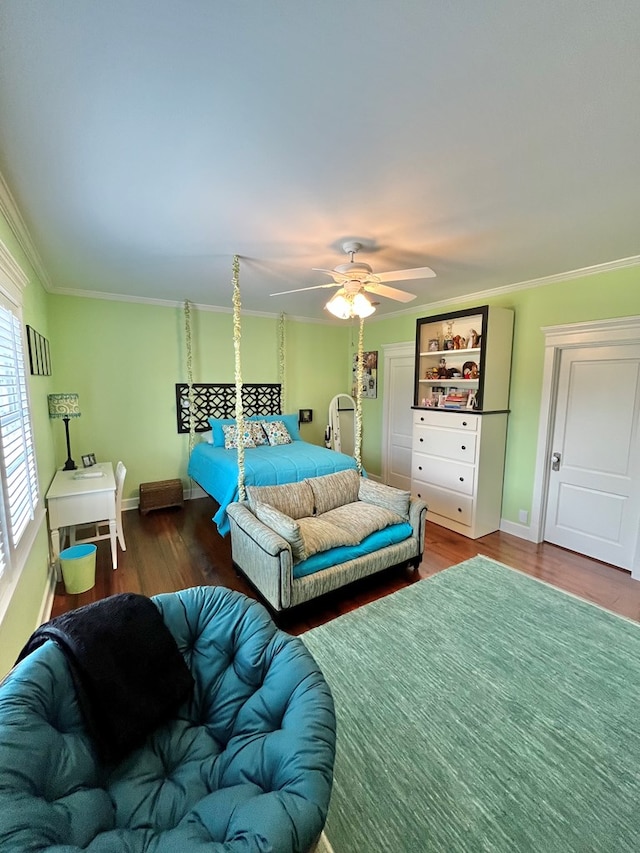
(441, 472)
(447, 504)
(446, 420)
(450, 443)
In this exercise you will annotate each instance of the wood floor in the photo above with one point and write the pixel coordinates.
(172, 549)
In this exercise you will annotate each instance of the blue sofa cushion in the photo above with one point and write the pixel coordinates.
(246, 763)
(343, 553)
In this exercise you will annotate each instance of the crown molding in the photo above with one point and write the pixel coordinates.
(170, 303)
(16, 223)
(475, 295)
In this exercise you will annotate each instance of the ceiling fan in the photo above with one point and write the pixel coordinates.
(355, 278)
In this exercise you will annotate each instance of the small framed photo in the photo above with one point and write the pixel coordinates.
(89, 460)
(305, 416)
(434, 345)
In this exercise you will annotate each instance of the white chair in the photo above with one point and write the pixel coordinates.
(121, 473)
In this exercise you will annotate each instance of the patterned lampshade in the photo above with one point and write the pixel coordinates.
(63, 406)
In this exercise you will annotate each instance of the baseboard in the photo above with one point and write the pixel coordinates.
(522, 531)
(47, 599)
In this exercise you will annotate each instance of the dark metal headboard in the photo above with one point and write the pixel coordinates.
(219, 401)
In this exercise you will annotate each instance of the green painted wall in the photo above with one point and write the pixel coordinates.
(26, 602)
(595, 297)
(124, 359)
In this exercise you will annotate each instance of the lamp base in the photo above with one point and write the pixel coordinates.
(69, 465)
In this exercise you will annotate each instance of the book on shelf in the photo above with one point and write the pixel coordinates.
(456, 399)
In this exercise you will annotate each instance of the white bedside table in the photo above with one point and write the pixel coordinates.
(75, 499)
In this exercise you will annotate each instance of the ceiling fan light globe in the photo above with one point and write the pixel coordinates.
(339, 306)
(361, 306)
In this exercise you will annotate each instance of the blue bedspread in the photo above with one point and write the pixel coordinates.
(216, 469)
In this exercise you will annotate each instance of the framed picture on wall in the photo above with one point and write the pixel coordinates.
(39, 356)
(369, 375)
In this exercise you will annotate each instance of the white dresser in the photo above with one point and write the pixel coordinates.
(457, 465)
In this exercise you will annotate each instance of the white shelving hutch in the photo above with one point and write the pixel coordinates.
(460, 416)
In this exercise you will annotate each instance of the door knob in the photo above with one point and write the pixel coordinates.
(555, 461)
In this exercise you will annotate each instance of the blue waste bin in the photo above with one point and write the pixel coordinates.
(78, 566)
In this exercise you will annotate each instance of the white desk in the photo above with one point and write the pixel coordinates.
(72, 500)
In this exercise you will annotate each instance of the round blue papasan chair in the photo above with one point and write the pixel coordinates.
(183, 723)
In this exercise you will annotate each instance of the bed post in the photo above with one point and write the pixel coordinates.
(236, 347)
(359, 373)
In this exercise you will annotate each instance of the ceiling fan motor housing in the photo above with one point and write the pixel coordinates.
(354, 270)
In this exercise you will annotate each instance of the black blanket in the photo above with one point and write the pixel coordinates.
(128, 672)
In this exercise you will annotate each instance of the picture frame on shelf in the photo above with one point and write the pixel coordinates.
(434, 345)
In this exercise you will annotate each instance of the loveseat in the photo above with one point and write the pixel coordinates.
(244, 764)
(297, 541)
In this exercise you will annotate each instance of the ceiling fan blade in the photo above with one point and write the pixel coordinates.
(405, 275)
(300, 289)
(338, 277)
(389, 292)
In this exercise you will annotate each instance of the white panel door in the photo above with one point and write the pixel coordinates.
(398, 400)
(593, 502)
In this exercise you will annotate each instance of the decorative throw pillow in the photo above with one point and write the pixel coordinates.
(258, 434)
(319, 534)
(361, 518)
(231, 437)
(290, 421)
(332, 490)
(277, 433)
(293, 499)
(284, 526)
(217, 425)
(385, 496)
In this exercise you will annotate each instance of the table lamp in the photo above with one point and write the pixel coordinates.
(65, 406)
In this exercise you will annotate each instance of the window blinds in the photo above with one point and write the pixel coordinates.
(18, 468)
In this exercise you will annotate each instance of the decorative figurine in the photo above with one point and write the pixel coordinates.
(448, 338)
(473, 340)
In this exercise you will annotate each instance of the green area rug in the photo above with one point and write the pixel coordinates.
(482, 710)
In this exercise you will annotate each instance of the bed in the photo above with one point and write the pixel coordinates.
(215, 468)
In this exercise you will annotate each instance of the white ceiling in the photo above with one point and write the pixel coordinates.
(147, 141)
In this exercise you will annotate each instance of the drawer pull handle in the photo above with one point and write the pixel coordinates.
(422, 439)
(462, 479)
(459, 509)
(464, 423)
(419, 467)
(463, 447)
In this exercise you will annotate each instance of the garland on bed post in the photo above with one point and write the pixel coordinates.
(359, 375)
(190, 396)
(281, 362)
(236, 347)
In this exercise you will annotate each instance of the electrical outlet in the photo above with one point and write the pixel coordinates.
(523, 516)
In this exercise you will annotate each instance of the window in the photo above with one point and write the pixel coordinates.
(18, 474)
